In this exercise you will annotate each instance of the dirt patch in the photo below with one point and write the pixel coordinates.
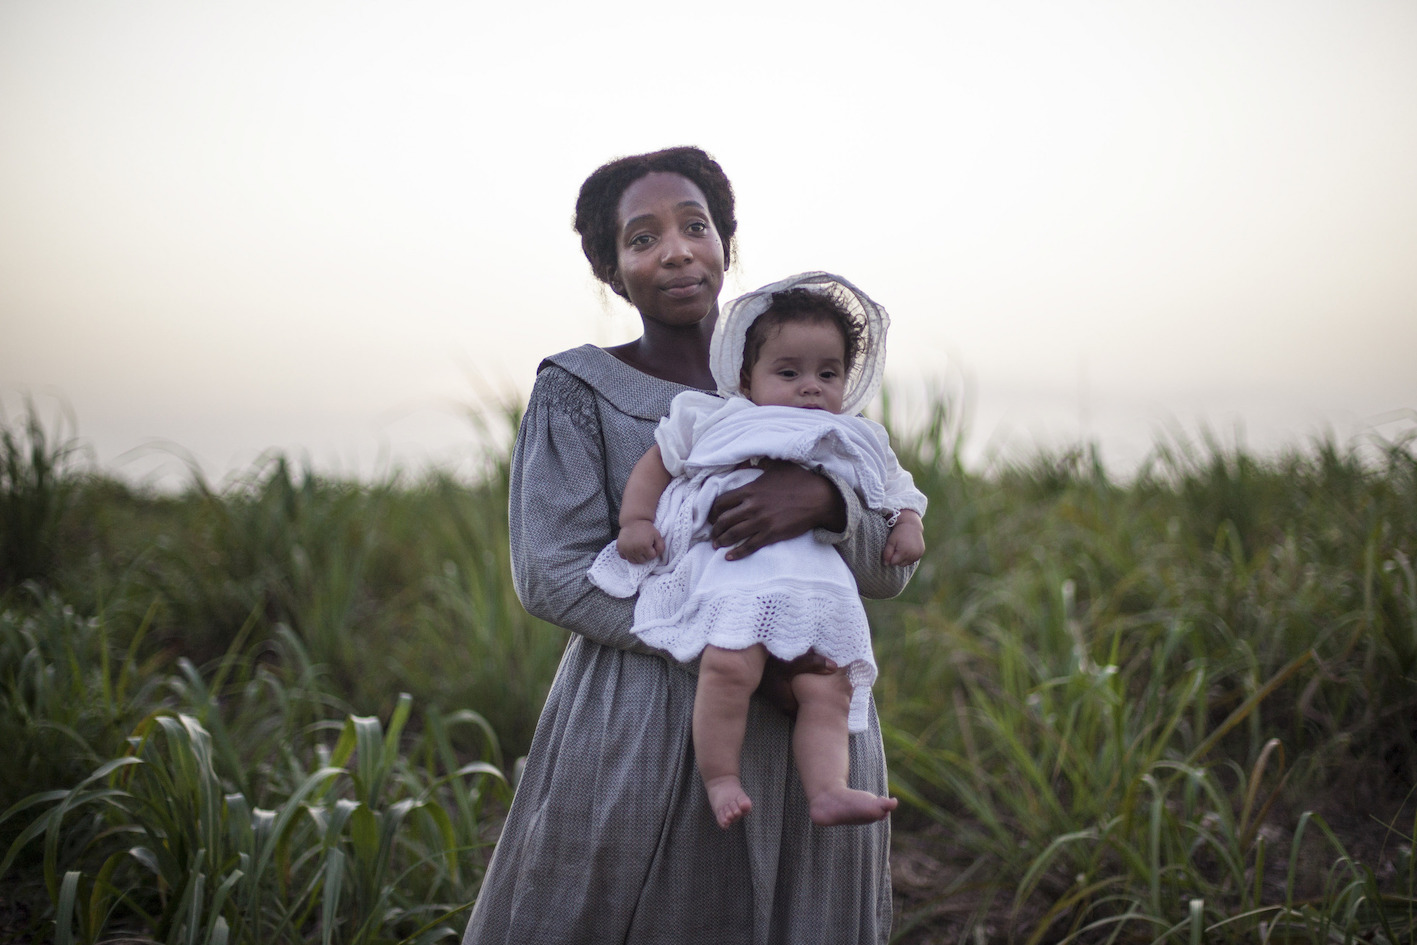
(19, 918)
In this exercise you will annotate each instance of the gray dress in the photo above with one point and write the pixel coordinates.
(610, 838)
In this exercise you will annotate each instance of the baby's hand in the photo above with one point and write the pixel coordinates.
(906, 543)
(639, 542)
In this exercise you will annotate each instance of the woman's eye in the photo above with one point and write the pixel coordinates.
(698, 226)
(642, 239)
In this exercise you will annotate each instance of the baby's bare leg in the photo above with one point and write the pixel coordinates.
(819, 744)
(727, 679)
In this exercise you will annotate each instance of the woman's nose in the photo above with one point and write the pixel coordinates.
(676, 250)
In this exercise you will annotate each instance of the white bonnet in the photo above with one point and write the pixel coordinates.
(863, 379)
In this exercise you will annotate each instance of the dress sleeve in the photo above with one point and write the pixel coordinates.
(862, 544)
(900, 485)
(560, 513)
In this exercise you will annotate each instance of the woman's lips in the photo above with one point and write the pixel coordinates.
(681, 288)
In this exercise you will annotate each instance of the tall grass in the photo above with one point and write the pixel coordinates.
(1178, 708)
(241, 810)
(291, 548)
(1117, 696)
(36, 485)
(65, 700)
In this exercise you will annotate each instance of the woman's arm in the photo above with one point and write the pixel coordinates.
(787, 500)
(560, 514)
(862, 544)
(782, 503)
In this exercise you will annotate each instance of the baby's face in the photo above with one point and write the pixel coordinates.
(802, 364)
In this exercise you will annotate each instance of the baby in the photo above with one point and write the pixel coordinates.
(795, 361)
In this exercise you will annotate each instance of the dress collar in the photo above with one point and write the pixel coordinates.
(628, 389)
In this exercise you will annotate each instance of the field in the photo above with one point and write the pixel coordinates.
(1177, 708)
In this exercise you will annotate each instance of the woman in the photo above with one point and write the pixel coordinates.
(609, 839)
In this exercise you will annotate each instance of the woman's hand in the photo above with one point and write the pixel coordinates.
(776, 684)
(784, 502)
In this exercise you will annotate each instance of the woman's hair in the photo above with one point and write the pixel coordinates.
(598, 205)
(803, 305)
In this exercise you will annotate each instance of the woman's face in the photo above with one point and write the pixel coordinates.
(669, 257)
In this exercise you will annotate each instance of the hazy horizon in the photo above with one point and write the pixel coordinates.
(327, 229)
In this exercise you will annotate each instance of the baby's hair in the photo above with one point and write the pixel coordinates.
(598, 205)
(803, 305)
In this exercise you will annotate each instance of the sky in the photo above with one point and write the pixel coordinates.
(338, 230)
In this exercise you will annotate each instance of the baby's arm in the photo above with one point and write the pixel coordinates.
(639, 540)
(906, 544)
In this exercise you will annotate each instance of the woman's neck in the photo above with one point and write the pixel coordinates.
(678, 354)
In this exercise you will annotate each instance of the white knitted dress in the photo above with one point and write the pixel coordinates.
(792, 596)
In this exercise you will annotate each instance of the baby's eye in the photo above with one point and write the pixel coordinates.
(787, 373)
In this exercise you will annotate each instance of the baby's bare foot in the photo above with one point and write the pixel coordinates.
(728, 800)
(836, 806)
